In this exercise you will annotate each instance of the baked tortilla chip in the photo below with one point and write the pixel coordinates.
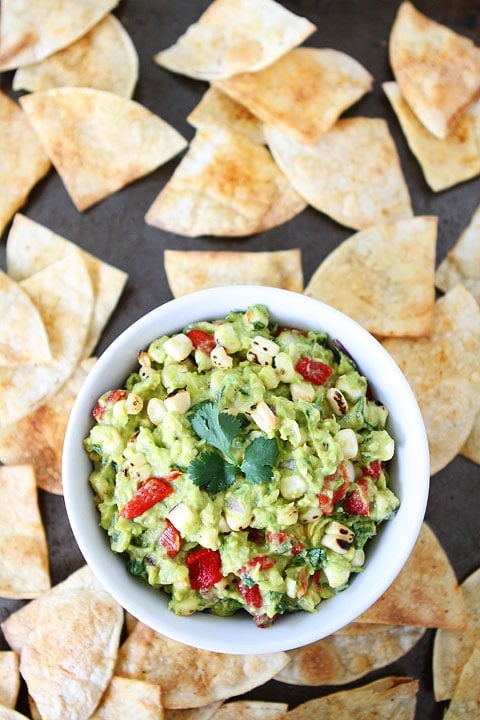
(211, 676)
(352, 174)
(31, 31)
(443, 373)
(201, 713)
(465, 700)
(391, 698)
(251, 709)
(349, 654)
(9, 678)
(216, 107)
(446, 162)
(126, 698)
(23, 337)
(452, 648)
(225, 185)
(425, 593)
(99, 142)
(104, 58)
(191, 270)
(462, 262)
(303, 93)
(24, 560)
(437, 69)
(398, 260)
(37, 439)
(23, 161)
(31, 247)
(235, 36)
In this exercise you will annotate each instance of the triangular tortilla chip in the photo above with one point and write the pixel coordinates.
(30, 31)
(426, 591)
(126, 698)
(202, 713)
(462, 262)
(352, 174)
(303, 93)
(437, 69)
(64, 296)
(23, 337)
(396, 259)
(216, 107)
(104, 58)
(191, 677)
(37, 439)
(391, 698)
(9, 678)
(23, 160)
(24, 569)
(452, 648)
(443, 373)
(191, 270)
(31, 247)
(251, 709)
(349, 654)
(225, 185)
(447, 162)
(465, 702)
(99, 142)
(234, 36)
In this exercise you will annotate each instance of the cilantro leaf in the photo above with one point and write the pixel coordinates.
(211, 471)
(259, 460)
(217, 428)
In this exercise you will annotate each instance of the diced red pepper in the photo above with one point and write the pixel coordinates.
(373, 469)
(112, 397)
(264, 562)
(204, 568)
(334, 489)
(251, 595)
(148, 494)
(171, 539)
(202, 340)
(278, 538)
(357, 502)
(313, 371)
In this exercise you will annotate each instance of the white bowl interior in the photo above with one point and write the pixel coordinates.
(386, 554)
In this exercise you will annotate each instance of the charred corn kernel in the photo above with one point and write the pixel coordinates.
(178, 401)
(302, 391)
(342, 531)
(178, 347)
(133, 404)
(336, 576)
(183, 518)
(287, 515)
(335, 543)
(265, 346)
(156, 410)
(311, 514)
(292, 487)
(238, 518)
(347, 440)
(255, 356)
(145, 365)
(336, 400)
(220, 358)
(208, 538)
(264, 417)
(358, 558)
(285, 368)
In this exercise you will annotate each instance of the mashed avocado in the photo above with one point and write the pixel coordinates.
(242, 465)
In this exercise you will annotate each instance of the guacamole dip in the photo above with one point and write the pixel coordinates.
(242, 466)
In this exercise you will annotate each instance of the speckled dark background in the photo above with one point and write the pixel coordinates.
(115, 231)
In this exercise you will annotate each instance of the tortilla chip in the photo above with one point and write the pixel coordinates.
(398, 260)
(23, 160)
(352, 174)
(31, 247)
(23, 337)
(425, 593)
(37, 439)
(9, 678)
(437, 69)
(211, 676)
(446, 162)
(235, 36)
(104, 58)
(303, 93)
(99, 142)
(63, 294)
(391, 698)
(462, 262)
(191, 270)
(126, 698)
(216, 107)
(201, 713)
(465, 701)
(9, 714)
(24, 560)
(251, 709)
(349, 654)
(225, 185)
(452, 648)
(30, 31)
(443, 373)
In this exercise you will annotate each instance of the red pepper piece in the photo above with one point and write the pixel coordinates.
(278, 538)
(112, 397)
(171, 539)
(373, 469)
(148, 494)
(264, 562)
(202, 340)
(313, 371)
(204, 568)
(251, 595)
(334, 489)
(357, 502)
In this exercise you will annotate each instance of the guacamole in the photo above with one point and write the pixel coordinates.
(243, 465)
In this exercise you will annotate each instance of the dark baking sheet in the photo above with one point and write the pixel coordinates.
(115, 231)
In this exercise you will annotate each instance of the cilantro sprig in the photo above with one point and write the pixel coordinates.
(216, 469)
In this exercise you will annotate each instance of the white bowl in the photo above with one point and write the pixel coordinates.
(386, 554)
